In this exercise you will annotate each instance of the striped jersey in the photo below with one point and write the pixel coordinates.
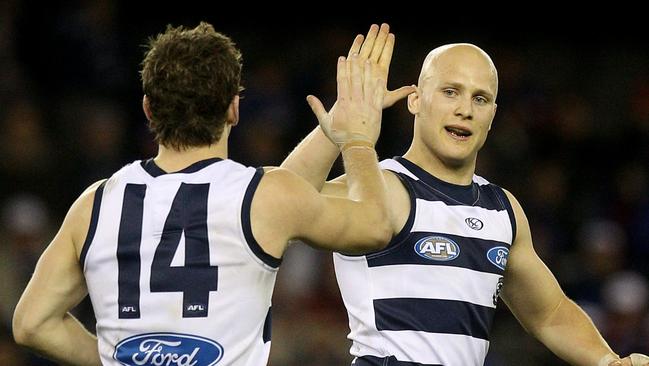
(174, 274)
(429, 297)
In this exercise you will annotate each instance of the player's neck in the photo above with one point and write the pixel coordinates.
(171, 160)
(460, 175)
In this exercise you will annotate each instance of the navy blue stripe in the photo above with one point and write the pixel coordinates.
(155, 171)
(431, 188)
(431, 193)
(473, 253)
(94, 217)
(466, 195)
(434, 316)
(245, 222)
(386, 361)
(267, 326)
(502, 196)
(128, 251)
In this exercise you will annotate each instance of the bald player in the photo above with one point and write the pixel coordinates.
(459, 242)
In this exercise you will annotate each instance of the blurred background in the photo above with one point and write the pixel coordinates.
(570, 140)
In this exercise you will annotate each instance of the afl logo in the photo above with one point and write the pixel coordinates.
(498, 256)
(474, 223)
(437, 248)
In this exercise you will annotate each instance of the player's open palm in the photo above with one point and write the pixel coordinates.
(377, 47)
(357, 115)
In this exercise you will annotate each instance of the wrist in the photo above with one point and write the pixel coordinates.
(356, 144)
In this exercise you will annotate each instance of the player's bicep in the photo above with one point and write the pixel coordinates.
(56, 286)
(58, 283)
(530, 290)
(339, 224)
(336, 187)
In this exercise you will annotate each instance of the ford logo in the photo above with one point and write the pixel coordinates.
(498, 256)
(168, 349)
(437, 248)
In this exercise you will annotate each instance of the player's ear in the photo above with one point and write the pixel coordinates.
(146, 107)
(413, 101)
(492, 117)
(232, 115)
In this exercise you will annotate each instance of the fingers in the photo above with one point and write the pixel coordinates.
(368, 81)
(366, 49)
(356, 78)
(394, 96)
(356, 45)
(342, 81)
(379, 43)
(386, 53)
(317, 108)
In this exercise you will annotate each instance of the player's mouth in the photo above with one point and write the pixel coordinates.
(458, 132)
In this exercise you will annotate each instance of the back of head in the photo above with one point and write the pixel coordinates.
(190, 77)
(456, 55)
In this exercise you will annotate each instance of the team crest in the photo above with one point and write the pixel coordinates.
(474, 223)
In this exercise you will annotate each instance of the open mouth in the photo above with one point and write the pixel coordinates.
(458, 132)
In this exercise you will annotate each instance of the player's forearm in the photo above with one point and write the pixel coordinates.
(313, 158)
(367, 186)
(65, 341)
(572, 336)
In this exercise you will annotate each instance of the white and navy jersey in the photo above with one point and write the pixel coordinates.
(174, 274)
(429, 297)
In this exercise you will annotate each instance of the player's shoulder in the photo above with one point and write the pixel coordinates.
(78, 218)
(86, 200)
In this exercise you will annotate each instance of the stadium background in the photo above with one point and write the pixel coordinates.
(570, 140)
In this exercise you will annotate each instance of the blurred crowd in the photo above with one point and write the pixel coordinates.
(570, 140)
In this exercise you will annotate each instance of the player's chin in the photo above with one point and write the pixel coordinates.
(458, 159)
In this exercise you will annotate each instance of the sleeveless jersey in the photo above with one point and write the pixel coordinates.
(429, 297)
(174, 274)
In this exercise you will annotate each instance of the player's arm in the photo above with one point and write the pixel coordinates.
(314, 156)
(286, 207)
(534, 296)
(42, 321)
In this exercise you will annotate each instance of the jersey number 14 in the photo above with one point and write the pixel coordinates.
(188, 215)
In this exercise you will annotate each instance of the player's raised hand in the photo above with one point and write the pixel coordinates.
(356, 117)
(377, 47)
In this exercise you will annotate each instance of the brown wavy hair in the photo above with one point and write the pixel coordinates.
(190, 77)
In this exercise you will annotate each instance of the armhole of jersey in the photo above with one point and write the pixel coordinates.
(94, 218)
(247, 227)
(405, 231)
(504, 200)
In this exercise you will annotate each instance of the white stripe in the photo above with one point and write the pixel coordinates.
(395, 166)
(481, 181)
(436, 216)
(434, 282)
(436, 348)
